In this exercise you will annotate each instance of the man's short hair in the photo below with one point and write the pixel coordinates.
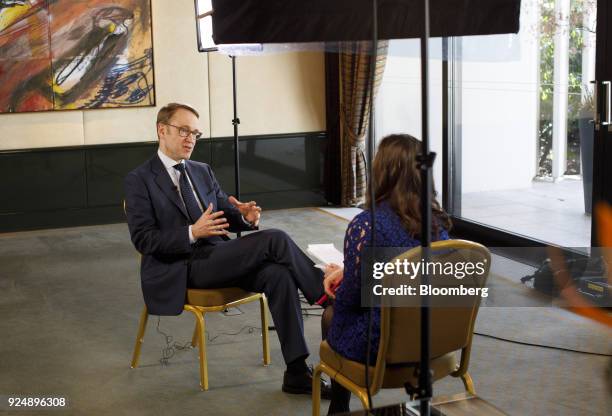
(165, 113)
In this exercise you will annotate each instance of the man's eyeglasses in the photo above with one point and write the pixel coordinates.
(183, 132)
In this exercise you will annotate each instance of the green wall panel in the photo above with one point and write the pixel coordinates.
(83, 185)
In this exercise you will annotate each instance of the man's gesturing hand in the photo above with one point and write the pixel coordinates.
(249, 210)
(210, 224)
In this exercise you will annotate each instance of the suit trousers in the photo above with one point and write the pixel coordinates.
(267, 262)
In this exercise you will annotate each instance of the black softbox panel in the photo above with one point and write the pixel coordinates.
(288, 21)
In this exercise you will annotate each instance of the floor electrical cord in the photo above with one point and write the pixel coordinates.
(541, 345)
(172, 347)
(306, 312)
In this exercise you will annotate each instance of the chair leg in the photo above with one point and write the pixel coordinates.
(316, 391)
(468, 383)
(363, 397)
(201, 326)
(263, 303)
(144, 316)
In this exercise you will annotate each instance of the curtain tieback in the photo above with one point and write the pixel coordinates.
(357, 141)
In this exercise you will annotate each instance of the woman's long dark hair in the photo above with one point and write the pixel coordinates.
(397, 180)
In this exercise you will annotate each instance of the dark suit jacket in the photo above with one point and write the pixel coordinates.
(158, 223)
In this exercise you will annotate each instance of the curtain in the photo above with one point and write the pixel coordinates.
(354, 108)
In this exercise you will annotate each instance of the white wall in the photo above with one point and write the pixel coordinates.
(277, 93)
(280, 93)
(398, 104)
(500, 108)
(499, 104)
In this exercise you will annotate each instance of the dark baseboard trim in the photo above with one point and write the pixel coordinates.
(287, 199)
(61, 218)
(83, 185)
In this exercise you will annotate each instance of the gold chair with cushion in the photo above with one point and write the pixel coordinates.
(202, 301)
(452, 328)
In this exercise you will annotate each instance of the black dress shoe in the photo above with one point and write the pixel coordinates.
(302, 384)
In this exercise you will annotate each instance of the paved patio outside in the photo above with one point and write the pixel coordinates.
(547, 211)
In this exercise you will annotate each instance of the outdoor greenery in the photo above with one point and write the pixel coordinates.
(548, 26)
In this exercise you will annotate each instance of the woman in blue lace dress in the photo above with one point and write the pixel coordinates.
(397, 190)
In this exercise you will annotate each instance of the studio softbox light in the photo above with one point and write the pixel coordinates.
(291, 21)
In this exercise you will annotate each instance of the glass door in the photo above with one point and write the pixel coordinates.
(520, 111)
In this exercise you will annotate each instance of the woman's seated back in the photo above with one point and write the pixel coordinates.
(397, 192)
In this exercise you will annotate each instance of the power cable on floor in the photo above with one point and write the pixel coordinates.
(172, 347)
(248, 328)
(542, 345)
(228, 312)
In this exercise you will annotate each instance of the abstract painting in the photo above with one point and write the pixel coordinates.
(75, 54)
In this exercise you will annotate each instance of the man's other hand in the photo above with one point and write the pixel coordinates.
(249, 210)
(210, 224)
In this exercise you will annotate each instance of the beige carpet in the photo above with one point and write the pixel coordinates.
(70, 306)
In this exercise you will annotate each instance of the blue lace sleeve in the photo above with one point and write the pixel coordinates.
(357, 236)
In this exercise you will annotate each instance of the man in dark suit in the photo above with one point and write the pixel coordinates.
(179, 220)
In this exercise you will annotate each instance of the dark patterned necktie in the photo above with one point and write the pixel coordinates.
(189, 198)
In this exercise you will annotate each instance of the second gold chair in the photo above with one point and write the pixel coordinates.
(398, 356)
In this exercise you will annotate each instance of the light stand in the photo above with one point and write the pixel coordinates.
(371, 148)
(203, 14)
(425, 161)
(235, 123)
(424, 390)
